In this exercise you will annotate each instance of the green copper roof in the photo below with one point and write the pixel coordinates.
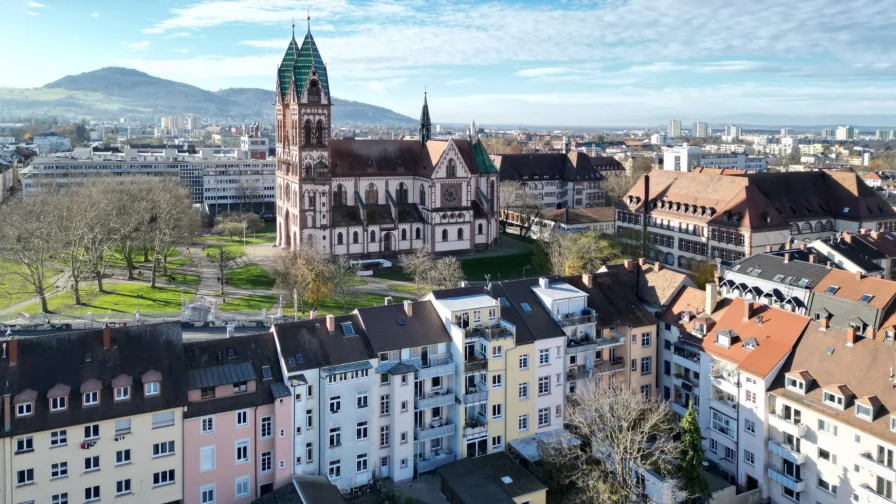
(297, 64)
(483, 161)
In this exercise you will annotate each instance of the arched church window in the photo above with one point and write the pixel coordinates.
(371, 195)
(307, 131)
(444, 235)
(402, 193)
(314, 91)
(339, 197)
(422, 195)
(417, 234)
(404, 234)
(307, 170)
(460, 234)
(451, 171)
(338, 238)
(319, 132)
(355, 237)
(373, 237)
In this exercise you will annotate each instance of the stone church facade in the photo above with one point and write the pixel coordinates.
(372, 198)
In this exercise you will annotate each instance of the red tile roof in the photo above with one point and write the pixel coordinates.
(853, 289)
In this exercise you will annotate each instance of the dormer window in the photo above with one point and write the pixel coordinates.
(151, 383)
(122, 386)
(833, 399)
(122, 393)
(58, 404)
(24, 409)
(240, 387)
(795, 385)
(725, 338)
(751, 343)
(864, 412)
(893, 423)
(348, 329)
(91, 398)
(832, 289)
(58, 397)
(151, 389)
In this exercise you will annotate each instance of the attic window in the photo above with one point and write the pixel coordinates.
(845, 209)
(266, 372)
(833, 399)
(751, 343)
(778, 278)
(526, 307)
(832, 289)
(723, 339)
(300, 358)
(794, 384)
(400, 321)
(866, 298)
(864, 412)
(755, 272)
(803, 282)
(348, 329)
(506, 479)
(231, 352)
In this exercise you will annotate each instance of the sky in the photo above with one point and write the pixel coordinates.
(572, 62)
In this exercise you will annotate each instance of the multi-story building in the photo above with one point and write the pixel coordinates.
(843, 299)
(786, 132)
(94, 416)
(846, 133)
(219, 179)
(372, 197)
(674, 129)
(776, 150)
(778, 280)
(872, 253)
(50, 142)
(566, 220)
(685, 158)
(557, 180)
(827, 133)
(658, 139)
(237, 422)
(700, 216)
(702, 129)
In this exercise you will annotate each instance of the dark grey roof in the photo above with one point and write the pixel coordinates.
(62, 358)
(389, 327)
(614, 305)
(317, 490)
(279, 390)
(859, 253)
(220, 375)
(307, 344)
(770, 266)
(478, 480)
(572, 167)
(401, 368)
(530, 325)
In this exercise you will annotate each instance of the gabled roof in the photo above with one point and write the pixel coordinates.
(531, 325)
(576, 216)
(614, 306)
(310, 345)
(853, 289)
(855, 251)
(390, 328)
(572, 167)
(773, 268)
(654, 287)
(396, 157)
(297, 64)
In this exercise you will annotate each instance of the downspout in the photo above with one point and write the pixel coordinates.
(320, 424)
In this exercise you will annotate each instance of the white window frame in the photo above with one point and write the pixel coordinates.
(203, 450)
(125, 457)
(267, 422)
(91, 398)
(523, 423)
(58, 470)
(205, 488)
(524, 390)
(166, 477)
(207, 425)
(25, 477)
(94, 493)
(832, 399)
(860, 414)
(24, 409)
(544, 414)
(546, 381)
(245, 419)
(267, 456)
(58, 403)
(122, 393)
(165, 449)
(524, 361)
(544, 356)
(151, 388)
(241, 443)
(123, 483)
(497, 352)
(242, 480)
(497, 381)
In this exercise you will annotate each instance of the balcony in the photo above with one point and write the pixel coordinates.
(476, 394)
(434, 399)
(685, 356)
(475, 426)
(586, 343)
(777, 475)
(788, 425)
(475, 363)
(500, 330)
(435, 431)
(440, 365)
(586, 316)
(428, 464)
(724, 406)
(786, 451)
(872, 496)
(679, 379)
(878, 467)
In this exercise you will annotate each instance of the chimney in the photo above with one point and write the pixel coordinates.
(712, 296)
(786, 257)
(847, 237)
(850, 336)
(869, 332)
(387, 301)
(7, 413)
(645, 211)
(747, 309)
(874, 235)
(13, 350)
(768, 248)
(642, 261)
(331, 322)
(588, 279)
(802, 245)
(409, 308)
(629, 264)
(858, 276)
(544, 283)
(657, 265)
(825, 323)
(812, 258)
(107, 337)
(830, 265)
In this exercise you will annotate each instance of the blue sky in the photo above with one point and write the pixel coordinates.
(575, 62)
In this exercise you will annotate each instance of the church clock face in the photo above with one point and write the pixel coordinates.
(450, 195)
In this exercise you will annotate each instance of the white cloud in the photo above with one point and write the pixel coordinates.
(36, 5)
(179, 35)
(208, 13)
(94, 14)
(137, 46)
(30, 13)
(544, 72)
(462, 82)
(378, 85)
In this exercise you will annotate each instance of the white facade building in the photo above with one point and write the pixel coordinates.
(52, 142)
(846, 133)
(686, 158)
(674, 129)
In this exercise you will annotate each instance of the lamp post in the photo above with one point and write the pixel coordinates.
(525, 268)
(182, 303)
(295, 304)
(138, 302)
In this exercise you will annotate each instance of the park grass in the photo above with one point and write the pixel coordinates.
(395, 274)
(269, 302)
(506, 267)
(410, 288)
(115, 259)
(175, 277)
(14, 289)
(249, 276)
(119, 298)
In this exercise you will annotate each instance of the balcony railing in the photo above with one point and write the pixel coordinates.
(476, 362)
(428, 464)
(587, 343)
(873, 496)
(440, 365)
(788, 425)
(586, 316)
(435, 431)
(879, 463)
(501, 329)
(786, 451)
(475, 426)
(789, 482)
(686, 353)
(476, 394)
(434, 399)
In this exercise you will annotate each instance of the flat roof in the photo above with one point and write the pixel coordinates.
(469, 302)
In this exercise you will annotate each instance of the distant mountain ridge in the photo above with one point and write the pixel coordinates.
(129, 91)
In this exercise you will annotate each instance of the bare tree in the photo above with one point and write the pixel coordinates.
(224, 260)
(343, 277)
(83, 235)
(304, 273)
(236, 224)
(518, 204)
(173, 221)
(29, 238)
(418, 265)
(619, 434)
(581, 252)
(446, 273)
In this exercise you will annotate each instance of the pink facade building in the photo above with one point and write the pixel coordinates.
(237, 434)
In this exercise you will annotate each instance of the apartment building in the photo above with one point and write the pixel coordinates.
(654, 285)
(238, 420)
(685, 158)
(692, 217)
(775, 279)
(568, 180)
(94, 416)
(851, 300)
(870, 252)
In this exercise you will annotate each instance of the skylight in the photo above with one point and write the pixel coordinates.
(299, 358)
(756, 272)
(832, 289)
(778, 278)
(266, 372)
(735, 267)
(803, 282)
(348, 329)
(526, 307)
(866, 298)
(231, 352)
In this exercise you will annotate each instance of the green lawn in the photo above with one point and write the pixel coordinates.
(13, 288)
(249, 276)
(235, 248)
(118, 298)
(395, 273)
(410, 289)
(116, 259)
(175, 277)
(253, 303)
(499, 267)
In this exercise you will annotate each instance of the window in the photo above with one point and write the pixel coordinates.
(544, 385)
(164, 419)
(267, 461)
(123, 487)
(91, 398)
(384, 404)
(207, 393)
(750, 397)
(267, 427)
(559, 380)
(384, 436)
(163, 478)
(645, 365)
(892, 424)
(208, 424)
(384, 379)
(477, 315)
(544, 417)
(123, 457)
(524, 422)
(492, 314)
(25, 477)
(240, 387)
(242, 486)
(59, 438)
(404, 380)
(24, 444)
(309, 419)
(207, 458)
(24, 409)
(362, 399)
(162, 449)
(91, 431)
(59, 470)
(497, 352)
(309, 453)
(793, 383)
(122, 393)
(524, 361)
(92, 463)
(645, 340)
(335, 437)
(497, 442)
(497, 411)
(833, 399)
(151, 389)
(92, 493)
(57, 403)
(826, 455)
(827, 487)
(750, 426)
(60, 498)
(335, 404)
(334, 470)
(730, 454)
(361, 431)
(724, 425)
(863, 411)
(404, 437)
(826, 426)
(544, 356)
(404, 406)
(645, 391)
(749, 457)
(242, 451)
(558, 411)
(497, 380)
(713, 445)
(524, 390)
(361, 462)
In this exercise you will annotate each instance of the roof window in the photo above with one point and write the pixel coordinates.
(832, 289)
(348, 329)
(866, 298)
(266, 372)
(526, 307)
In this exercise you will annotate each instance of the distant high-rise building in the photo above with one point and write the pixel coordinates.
(827, 133)
(732, 131)
(702, 130)
(658, 139)
(846, 133)
(883, 135)
(674, 130)
(786, 131)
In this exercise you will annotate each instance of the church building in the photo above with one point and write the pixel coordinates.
(371, 198)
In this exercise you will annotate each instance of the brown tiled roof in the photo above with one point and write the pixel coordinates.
(839, 389)
(395, 157)
(693, 300)
(887, 324)
(776, 336)
(654, 287)
(871, 176)
(580, 215)
(853, 289)
(863, 367)
(802, 374)
(882, 241)
(719, 171)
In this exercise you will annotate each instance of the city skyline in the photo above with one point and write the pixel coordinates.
(580, 63)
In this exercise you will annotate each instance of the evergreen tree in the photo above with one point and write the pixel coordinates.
(690, 460)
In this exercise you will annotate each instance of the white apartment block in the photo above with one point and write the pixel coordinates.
(685, 158)
(674, 129)
(846, 133)
(48, 143)
(777, 150)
